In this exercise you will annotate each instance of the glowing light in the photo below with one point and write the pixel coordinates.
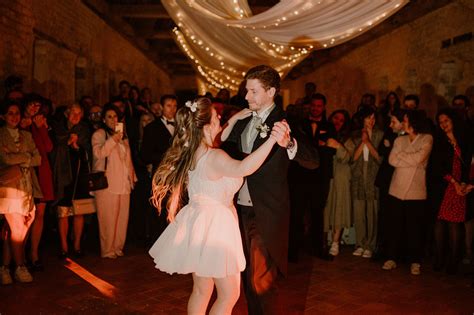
(102, 286)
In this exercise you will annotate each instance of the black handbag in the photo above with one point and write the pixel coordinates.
(97, 180)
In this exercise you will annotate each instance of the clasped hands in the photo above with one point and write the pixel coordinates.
(463, 189)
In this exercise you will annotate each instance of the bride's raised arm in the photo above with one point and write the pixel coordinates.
(227, 128)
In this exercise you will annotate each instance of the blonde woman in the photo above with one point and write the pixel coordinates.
(203, 238)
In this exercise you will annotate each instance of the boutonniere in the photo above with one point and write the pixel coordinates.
(263, 130)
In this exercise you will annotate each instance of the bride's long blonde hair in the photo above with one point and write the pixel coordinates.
(171, 178)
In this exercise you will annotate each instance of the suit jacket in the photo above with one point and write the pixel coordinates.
(156, 140)
(410, 161)
(268, 188)
(103, 148)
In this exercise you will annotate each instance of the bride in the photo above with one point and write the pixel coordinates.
(203, 237)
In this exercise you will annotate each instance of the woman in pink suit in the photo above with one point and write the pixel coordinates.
(112, 154)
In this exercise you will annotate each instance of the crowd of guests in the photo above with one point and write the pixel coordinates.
(401, 180)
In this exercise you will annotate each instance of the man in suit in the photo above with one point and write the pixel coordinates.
(264, 198)
(157, 137)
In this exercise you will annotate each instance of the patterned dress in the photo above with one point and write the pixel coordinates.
(453, 206)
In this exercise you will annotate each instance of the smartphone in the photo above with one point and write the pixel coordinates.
(119, 127)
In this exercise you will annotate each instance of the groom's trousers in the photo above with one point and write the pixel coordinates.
(261, 273)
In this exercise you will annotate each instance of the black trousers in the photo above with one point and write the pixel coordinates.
(261, 274)
(405, 228)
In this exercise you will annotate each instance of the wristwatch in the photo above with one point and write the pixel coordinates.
(291, 144)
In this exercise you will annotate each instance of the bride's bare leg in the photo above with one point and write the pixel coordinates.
(228, 291)
(202, 291)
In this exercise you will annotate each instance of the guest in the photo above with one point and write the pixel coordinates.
(19, 187)
(203, 238)
(157, 135)
(156, 141)
(384, 176)
(411, 102)
(451, 173)
(112, 154)
(140, 215)
(70, 158)
(94, 117)
(34, 121)
(309, 91)
(365, 164)
(145, 98)
(391, 104)
(338, 210)
(406, 210)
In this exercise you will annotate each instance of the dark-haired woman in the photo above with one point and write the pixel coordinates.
(35, 121)
(391, 104)
(451, 163)
(407, 192)
(365, 164)
(112, 154)
(337, 214)
(19, 187)
(384, 175)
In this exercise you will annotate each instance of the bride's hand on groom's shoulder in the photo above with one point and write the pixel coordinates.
(244, 113)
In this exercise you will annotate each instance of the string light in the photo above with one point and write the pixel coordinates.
(225, 72)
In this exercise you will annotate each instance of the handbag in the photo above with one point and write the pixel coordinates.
(9, 174)
(97, 180)
(82, 206)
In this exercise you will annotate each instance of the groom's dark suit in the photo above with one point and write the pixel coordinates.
(265, 223)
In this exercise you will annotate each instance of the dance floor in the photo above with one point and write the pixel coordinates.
(131, 285)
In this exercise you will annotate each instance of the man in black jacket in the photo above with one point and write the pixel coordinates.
(264, 198)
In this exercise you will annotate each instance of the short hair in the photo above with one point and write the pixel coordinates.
(464, 98)
(398, 113)
(417, 120)
(12, 82)
(124, 82)
(268, 77)
(167, 97)
(412, 97)
(318, 96)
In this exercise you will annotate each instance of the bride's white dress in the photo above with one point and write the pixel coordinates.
(204, 238)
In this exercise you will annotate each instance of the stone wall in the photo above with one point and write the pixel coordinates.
(64, 50)
(410, 59)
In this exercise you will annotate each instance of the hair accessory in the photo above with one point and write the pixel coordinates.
(172, 168)
(191, 105)
(186, 144)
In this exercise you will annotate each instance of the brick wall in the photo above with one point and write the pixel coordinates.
(408, 60)
(64, 50)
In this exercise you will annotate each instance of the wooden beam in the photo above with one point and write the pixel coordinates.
(144, 11)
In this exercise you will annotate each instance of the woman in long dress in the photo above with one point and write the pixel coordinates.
(203, 238)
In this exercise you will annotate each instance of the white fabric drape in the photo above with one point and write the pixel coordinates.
(223, 39)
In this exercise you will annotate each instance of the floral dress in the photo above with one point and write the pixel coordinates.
(453, 206)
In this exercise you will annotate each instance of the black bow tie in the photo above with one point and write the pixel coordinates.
(169, 122)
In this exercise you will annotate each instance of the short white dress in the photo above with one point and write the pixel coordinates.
(205, 237)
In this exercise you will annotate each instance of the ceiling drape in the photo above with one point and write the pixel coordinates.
(223, 39)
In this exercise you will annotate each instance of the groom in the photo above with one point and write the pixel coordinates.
(263, 198)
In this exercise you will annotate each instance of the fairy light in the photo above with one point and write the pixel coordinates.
(225, 72)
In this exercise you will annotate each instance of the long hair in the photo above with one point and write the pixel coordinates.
(170, 180)
(460, 130)
(345, 131)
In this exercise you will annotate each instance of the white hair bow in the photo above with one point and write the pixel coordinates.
(191, 105)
